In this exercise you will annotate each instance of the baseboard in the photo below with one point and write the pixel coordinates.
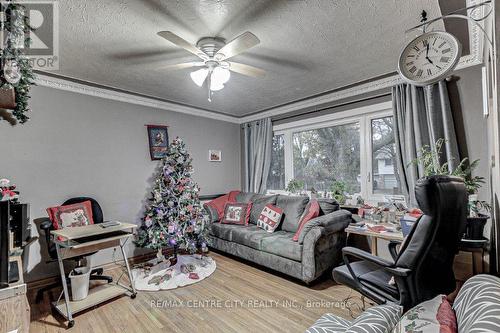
(37, 284)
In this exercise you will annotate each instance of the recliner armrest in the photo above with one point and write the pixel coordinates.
(383, 263)
(333, 222)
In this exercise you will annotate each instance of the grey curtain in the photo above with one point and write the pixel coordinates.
(257, 148)
(422, 115)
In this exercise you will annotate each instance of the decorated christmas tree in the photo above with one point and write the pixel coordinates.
(174, 216)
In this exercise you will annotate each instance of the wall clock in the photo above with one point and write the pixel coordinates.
(429, 58)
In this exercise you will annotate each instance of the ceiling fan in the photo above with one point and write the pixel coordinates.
(214, 53)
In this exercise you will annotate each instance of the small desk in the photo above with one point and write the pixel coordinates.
(79, 241)
(374, 236)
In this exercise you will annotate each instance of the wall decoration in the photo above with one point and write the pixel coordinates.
(215, 155)
(15, 70)
(158, 141)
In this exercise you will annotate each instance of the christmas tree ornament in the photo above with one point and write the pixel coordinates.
(11, 71)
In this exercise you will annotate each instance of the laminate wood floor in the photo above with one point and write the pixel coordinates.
(236, 298)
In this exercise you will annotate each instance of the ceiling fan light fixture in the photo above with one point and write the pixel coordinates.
(220, 75)
(215, 86)
(199, 76)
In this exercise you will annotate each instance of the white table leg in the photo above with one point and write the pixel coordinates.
(128, 267)
(71, 322)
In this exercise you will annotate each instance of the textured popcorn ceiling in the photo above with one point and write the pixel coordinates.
(307, 46)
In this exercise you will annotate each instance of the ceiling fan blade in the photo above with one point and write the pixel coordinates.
(238, 45)
(173, 38)
(246, 69)
(181, 66)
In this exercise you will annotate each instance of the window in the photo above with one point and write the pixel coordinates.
(325, 155)
(276, 178)
(355, 147)
(384, 170)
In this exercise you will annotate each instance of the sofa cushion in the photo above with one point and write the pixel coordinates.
(327, 206)
(223, 231)
(293, 208)
(250, 236)
(281, 244)
(260, 201)
(244, 197)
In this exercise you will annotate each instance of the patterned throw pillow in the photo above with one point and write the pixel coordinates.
(377, 319)
(75, 215)
(236, 213)
(218, 204)
(477, 304)
(312, 210)
(329, 323)
(435, 315)
(270, 218)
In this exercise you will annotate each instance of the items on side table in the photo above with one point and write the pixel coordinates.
(475, 309)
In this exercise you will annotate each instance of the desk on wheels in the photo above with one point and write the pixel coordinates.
(78, 241)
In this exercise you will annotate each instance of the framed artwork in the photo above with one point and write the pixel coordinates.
(215, 155)
(158, 141)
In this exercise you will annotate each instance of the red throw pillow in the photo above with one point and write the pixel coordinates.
(311, 211)
(236, 213)
(219, 203)
(75, 215)
(270, 218)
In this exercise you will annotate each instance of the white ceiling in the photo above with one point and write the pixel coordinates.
(307, 46)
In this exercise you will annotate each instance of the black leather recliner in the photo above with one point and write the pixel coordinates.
(46, 227)
(423, 268)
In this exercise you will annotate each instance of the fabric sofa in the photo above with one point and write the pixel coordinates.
(317, 250)
(475, 309)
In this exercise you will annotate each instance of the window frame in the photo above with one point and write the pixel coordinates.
(362, 115)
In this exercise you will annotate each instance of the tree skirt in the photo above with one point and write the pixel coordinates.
(189, 269)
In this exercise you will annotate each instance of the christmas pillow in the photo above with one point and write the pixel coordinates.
(236, 213)
(270, 218)
(311, 211)
(75, 215)
(219, 203)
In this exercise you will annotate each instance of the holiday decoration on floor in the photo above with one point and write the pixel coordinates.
(174, 216)
(16, 74)
(157, 275)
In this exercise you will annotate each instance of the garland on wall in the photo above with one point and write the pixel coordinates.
(16, 72)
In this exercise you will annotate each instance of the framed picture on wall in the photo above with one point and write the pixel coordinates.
(158, 141)
(215, 155)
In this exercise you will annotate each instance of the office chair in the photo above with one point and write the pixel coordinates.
(423, 268)
(46, 227)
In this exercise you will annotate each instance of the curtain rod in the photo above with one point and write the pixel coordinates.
(335, 106)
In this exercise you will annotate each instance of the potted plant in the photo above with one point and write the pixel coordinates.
(339, 190)
(476, 220)
(295, 186)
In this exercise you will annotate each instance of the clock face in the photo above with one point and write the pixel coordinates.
(429, 58)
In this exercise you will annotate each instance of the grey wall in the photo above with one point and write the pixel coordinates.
(467, 104)
(82, 145)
